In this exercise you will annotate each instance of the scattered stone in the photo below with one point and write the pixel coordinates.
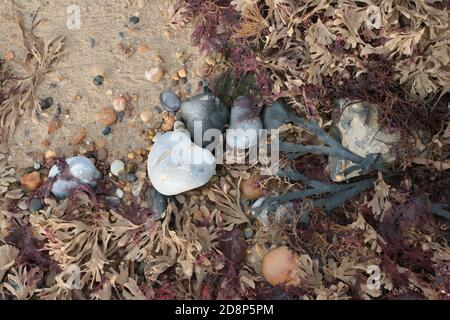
(79, 136)
(357, 129)
(120, 193)
(114, 201)
(130, 177)
(169, 121)
(92, 42)
(98, 80)
(134, 20)
(119, 104)
(23, 205)
(170, 101)
(102, 154)
(175, 76)
(279, 266)
(107, 116)
(117, 167)
(35, 205)
(145, 116)
(275, 115)
(54, 125)
(157, 202)
(173, 156)
(32, 181)
(209, 59)
(155, 74)
(8, 56)
(245, 126)
(106, 131)
(204, 109)
(46, 103)
(182, 73)
(75, 172)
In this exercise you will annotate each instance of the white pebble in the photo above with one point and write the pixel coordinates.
(117, 167)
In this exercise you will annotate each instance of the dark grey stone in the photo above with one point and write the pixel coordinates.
(36, 205)
(275, 115)
(157, 202)
(170, 101)
(206, 109)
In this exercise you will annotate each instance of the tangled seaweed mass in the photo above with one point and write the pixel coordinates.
(380, 232)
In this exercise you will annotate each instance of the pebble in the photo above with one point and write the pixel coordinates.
(79, 136)
(120, 193)
(100, 143)
(31, 181)
(130, 177)
(245, 127)
(182, 73)
(357, 130)
(117, 167)
(102, 154)
(106, 130)
(275, 115)
(206, 109)
(46, 103)
(175, 164)
(35, 205)
(209, 59)
(80, 171)
(54, 125)
(170, 101)
(157, 202)
(98, 80)
(134, 20)
(155, 74)
(115, 201)
(120, 103)
(107, 116)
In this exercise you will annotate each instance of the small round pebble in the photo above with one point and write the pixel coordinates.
(120, 193)
(35, 205)
(134, 20)
(117, 167)
(131, 177)
(46, 103)
(114, 201)
(170, 101)
(106, 131)
(98, 80)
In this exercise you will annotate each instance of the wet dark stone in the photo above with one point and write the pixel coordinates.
(206, 109)
(35, 205)
(134, 20)
(131, 177)
(170, 101)
(106, 131)
(157, 202)
(98, 80)
(46, 103)
(275, 115)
